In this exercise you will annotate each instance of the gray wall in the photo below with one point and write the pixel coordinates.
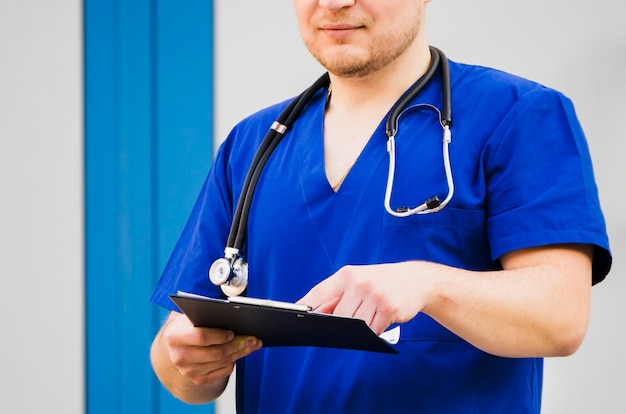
(41, 226)
(576, 46)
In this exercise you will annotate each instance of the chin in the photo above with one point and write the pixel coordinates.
(347, 63)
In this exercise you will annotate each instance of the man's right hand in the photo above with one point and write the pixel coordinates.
(193, 363)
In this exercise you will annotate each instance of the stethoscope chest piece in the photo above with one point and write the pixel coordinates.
(231, 274)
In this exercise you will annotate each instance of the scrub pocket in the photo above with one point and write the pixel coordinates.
(451, 236)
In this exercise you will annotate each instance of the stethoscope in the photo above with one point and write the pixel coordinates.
(231, 271)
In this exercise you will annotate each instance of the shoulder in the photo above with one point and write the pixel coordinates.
(487, 99)
(244, 138)
(257, 123)
(483, 77)
(498, 88)
(250, 131)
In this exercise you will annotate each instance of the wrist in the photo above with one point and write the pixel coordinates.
(434, 282)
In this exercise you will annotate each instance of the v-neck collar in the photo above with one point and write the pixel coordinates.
(311, 155)
(332, 213)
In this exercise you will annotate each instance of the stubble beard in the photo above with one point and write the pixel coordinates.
(347, 61)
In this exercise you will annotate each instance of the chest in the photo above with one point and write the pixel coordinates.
(296, 218)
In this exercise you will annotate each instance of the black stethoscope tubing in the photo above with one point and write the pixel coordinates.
(438, 59)
(238, 228)
(272, 138)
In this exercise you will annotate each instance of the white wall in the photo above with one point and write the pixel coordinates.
(41, 226)
(576, 46)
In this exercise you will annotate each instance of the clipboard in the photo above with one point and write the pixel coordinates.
(281, 325)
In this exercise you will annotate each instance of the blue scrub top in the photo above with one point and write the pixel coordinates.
(523, 178)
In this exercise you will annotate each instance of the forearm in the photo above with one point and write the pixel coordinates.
(522, 311)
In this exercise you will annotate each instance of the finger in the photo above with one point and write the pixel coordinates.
(210, 377)
(180, 331)
(324, 292)
(366, 311)
(328, 308)
(349, 304)
(206, 364)
(213, 336)
(238, 348)
(379, 323)
(200, 337)
(248, 345)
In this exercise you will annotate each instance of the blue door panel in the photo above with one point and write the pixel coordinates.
(148, 146)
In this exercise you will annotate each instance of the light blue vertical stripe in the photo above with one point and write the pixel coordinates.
(184, 112)
(136, 208)
(184, 121)
(148, 133)
(101, 177)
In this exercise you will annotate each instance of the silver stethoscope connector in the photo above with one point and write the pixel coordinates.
(230, 273)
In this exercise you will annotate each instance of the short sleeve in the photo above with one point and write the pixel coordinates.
(541, 186)
(201, 242)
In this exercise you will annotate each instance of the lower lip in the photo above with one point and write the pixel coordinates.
(339, 34)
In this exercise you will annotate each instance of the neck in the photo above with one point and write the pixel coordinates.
(382, 88)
